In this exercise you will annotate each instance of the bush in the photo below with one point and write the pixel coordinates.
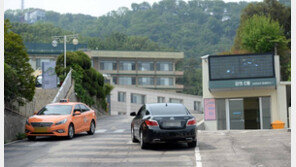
(21, 136)
(89, 83)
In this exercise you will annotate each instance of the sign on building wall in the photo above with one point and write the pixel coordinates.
(244, 66)
(228, 72)
(49, 77)
(209, 109)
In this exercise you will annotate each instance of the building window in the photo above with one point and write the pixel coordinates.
(108, 65)
(114, 80)
(146, 81)
(126, 80)
(127, 65)
(145, 66)
(165, 81)
(160, 100)
(197, 106)
(121, 96)
(137, 98)
(173, 100)
(164, 66)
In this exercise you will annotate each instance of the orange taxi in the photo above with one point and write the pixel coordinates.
(61, 119)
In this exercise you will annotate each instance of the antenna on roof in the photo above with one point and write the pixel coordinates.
(166, 104)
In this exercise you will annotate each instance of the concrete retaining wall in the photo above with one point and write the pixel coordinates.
(13, 124)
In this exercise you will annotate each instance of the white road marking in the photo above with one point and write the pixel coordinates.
(197, 156)
(101, 131)
(119, 131)
(130, 142)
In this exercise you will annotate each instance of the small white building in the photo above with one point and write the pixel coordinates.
(244, 92)
(126, 99)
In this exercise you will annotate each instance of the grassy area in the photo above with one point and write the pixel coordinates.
(21, 136)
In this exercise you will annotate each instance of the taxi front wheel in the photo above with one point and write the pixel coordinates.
(92, 128)
(71, 131)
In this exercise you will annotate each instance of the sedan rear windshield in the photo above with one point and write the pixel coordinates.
(168, 110)
(56, 110)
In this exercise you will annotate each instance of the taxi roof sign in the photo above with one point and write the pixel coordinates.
(64, 100)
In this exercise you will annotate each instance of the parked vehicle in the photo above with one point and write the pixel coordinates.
(61, 119)
(163, 122)
(38, 81)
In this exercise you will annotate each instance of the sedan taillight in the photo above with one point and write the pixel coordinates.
(151, 123)
(191, 122)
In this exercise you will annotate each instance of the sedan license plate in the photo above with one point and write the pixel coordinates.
(40, 129)
(172, 124)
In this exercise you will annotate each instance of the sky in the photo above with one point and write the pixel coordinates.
(89, 7)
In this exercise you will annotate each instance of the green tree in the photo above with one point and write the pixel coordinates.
(259, 34)
(269, 8)
(19, 83)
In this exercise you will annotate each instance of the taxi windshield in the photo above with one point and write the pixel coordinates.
(56, 110)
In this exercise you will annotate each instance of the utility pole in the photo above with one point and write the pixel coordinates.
(275, 49)
(22, 8)
(22, 5)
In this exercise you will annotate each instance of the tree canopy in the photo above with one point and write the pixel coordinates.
(18, 82)
(268, 8)
(259, 34)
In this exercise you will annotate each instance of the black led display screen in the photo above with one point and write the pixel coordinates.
(241, 66)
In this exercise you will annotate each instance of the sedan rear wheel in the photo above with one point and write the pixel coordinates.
(133, 136)
(71, 131)
(142, 142)
(92, 128)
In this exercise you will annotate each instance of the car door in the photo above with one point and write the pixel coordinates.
(77, 119)
(86, 117)
(138, 120)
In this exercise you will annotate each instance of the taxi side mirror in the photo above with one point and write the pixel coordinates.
(35, 112)
(133, 114)
(77, 113)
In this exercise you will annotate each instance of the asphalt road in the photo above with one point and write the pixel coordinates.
(250, 148)
(112, 146)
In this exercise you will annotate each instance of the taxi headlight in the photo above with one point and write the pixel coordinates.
(61, 122)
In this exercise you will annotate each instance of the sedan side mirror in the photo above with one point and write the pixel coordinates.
(77, 113)
(133, 114)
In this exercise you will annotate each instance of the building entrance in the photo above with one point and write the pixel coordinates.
(252, 113)
(244, 113)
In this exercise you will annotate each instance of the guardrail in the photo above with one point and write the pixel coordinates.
(62, 93)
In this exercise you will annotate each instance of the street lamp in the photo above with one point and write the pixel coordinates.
(64, 38)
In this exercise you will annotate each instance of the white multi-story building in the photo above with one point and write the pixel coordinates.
(126, 99)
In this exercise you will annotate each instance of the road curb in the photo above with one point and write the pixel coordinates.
(14, 142)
